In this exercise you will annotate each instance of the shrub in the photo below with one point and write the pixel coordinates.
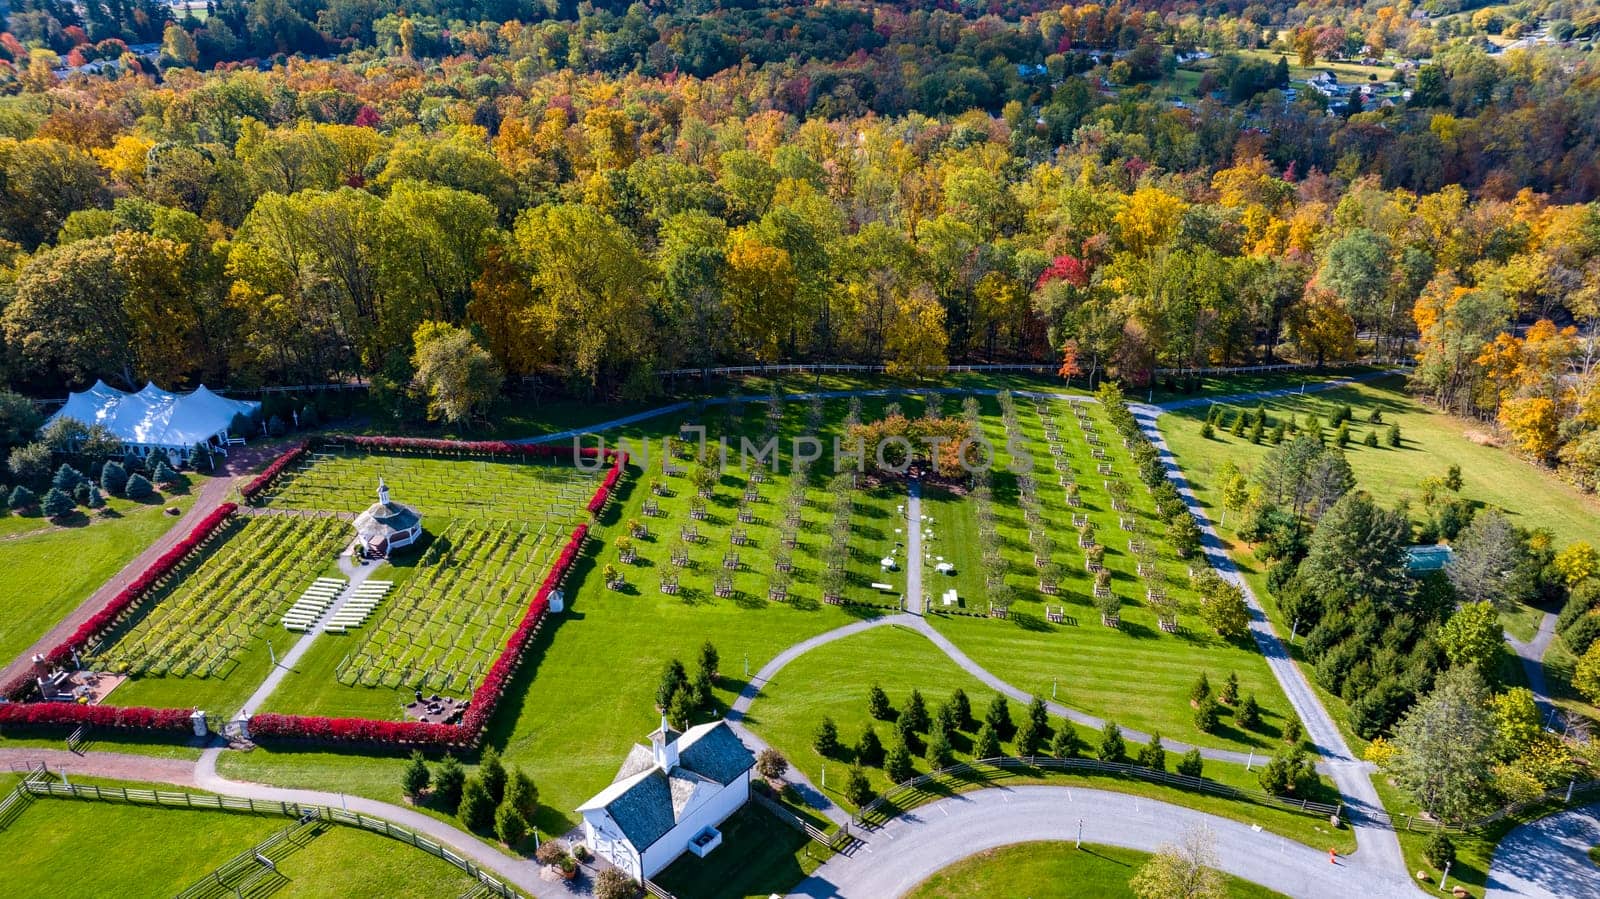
(1030, 738)
(1293, 731)
(114, 479)
(878, 704)
(1207, 431)
(611, 883)
(1289, 772)
(20, 498)
(826, 739)
(414, 779)
(857, 789)
(1440, 851)
(477, 808)
(509, 825)
(771, 765)
(869, 749)
(492, 772)
(521, 794)
(1153, 755)
(1230, 689)
(1201, 689)
(1394, 435)
(987, 744)
(1112, 747)
(963, 709)
(164, 473)
(1205, 715)
(551, 852)
(57, 503)
(139, 487)
(1370, 440)
(448, 782)
(1341, 435)
(30, 462)
(93, 498)
(67, 478)
(1190, 764)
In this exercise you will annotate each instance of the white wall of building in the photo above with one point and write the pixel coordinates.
(676, 841)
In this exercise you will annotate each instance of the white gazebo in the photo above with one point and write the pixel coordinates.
(386, 525)
(154, 420)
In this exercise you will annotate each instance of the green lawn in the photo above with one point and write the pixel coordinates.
(1083, 662)
(760, 856)
(790, 707)
(1051, 869)
(111, 849)
(49, 572)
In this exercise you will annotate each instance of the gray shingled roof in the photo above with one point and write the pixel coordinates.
(716, 753)
(645, 810)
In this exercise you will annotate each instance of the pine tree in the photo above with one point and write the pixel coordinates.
(1230, 690)
(1205, 715)
(414, 779)
(477, 809)
(672, 678)
(113, 478)
(1201, 689)
(521, 794)
(139, 487)
(987, 744)
(710, 660)
(1029, 738)
(493, 774)
(897, 763)
(1039, 714)
(1293, 732)
(20, 498)
(857, 789)
(1191, 764)
(1066, 743)
(916, 711)
(1112, 747)
(66, 479)
(826, 739)
(878, 704)
(509, 824)
(57, 503)
(869, 749)
(999, 717)
(963, 708)
(94, 499)
(1249, 714)
(1153, 755)
(939, 753)
(1394, 435)
(448, 783)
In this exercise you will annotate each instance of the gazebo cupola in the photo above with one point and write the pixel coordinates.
(387, 525)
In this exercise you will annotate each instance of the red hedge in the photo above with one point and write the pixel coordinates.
(47, 714)
(262, 480)
(129, 595)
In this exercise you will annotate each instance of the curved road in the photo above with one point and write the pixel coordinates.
(1548, 858)
(918, 843)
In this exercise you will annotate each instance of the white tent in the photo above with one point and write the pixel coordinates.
(154, 419)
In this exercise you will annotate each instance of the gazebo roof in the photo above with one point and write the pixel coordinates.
(386, 517)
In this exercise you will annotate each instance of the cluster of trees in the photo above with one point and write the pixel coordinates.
(491, 800)
(96, 464)
(681, 698)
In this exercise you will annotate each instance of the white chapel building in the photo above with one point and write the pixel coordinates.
(669, 797)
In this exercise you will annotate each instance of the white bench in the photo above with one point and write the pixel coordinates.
(887, 588)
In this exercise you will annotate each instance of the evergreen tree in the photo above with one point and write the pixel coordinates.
(999, 717)
(963, 707)
(1201, 689)
(66, 479)
(826, 739)
(1249, 714)
(139, 487)
(509, 824)
(448, 783)
(493, 774)
(56, 503)
(1030, 737)
(477, 808)
(878, 704)
(945, 717)
(1066, 743)
(164, 473)
(916, 712)
(521, 794)
(869, 749)
(857, 788)
(113, 478)
(1112, 747)
(672, 679)
(1039, 714)
(1293, 731)
(709, 660)
(1153, 755)
(20, 498)
(939, 753)
(93, 498)
(897, 763)
(1191, 764)
(1394, 435)
(1230, 689)
(987, 744)
(414, 779)
(682, 710)
(1206, 715)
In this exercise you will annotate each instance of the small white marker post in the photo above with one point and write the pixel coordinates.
(1079, 844)
(1252, 760)
(747, 665)
(1445, 877)
(1052, 688)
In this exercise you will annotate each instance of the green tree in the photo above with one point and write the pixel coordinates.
(826, 738)
(1444, 746)
(1485, 553)
(771, 765)
(987, 743)
(963, 709)
(897, 762)
(998, 716)
(1206, 715)
(1191, 764)
(1112, 746)
(1066, 743)
(1249, 714)
(1153, 755)
(509, 824)
(915, 713)
(414, 779)
(521, 794)
(1472, 636)
(21, 498)
(477, 807)
(1201, 689)
(139, 487)
(1517, 722)
(939, 752)
(457, 377)
(57, 504)
(869, 749)
(1229, 694)
(1358, 549)
(1290, 772)
(113, 478)
(492, 772)
(1030, 738)
(448, 783)
(857, 789)
(673, 678)
(878, 704)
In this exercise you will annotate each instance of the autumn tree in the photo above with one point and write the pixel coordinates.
(457, 377)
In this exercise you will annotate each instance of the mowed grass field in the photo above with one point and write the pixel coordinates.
(127, 850)
(48, 571)
(811, 687)
(1047, 869)
(1137, 674)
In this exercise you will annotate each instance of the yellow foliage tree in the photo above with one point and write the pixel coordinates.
(1149, 219)
(1534, 423)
